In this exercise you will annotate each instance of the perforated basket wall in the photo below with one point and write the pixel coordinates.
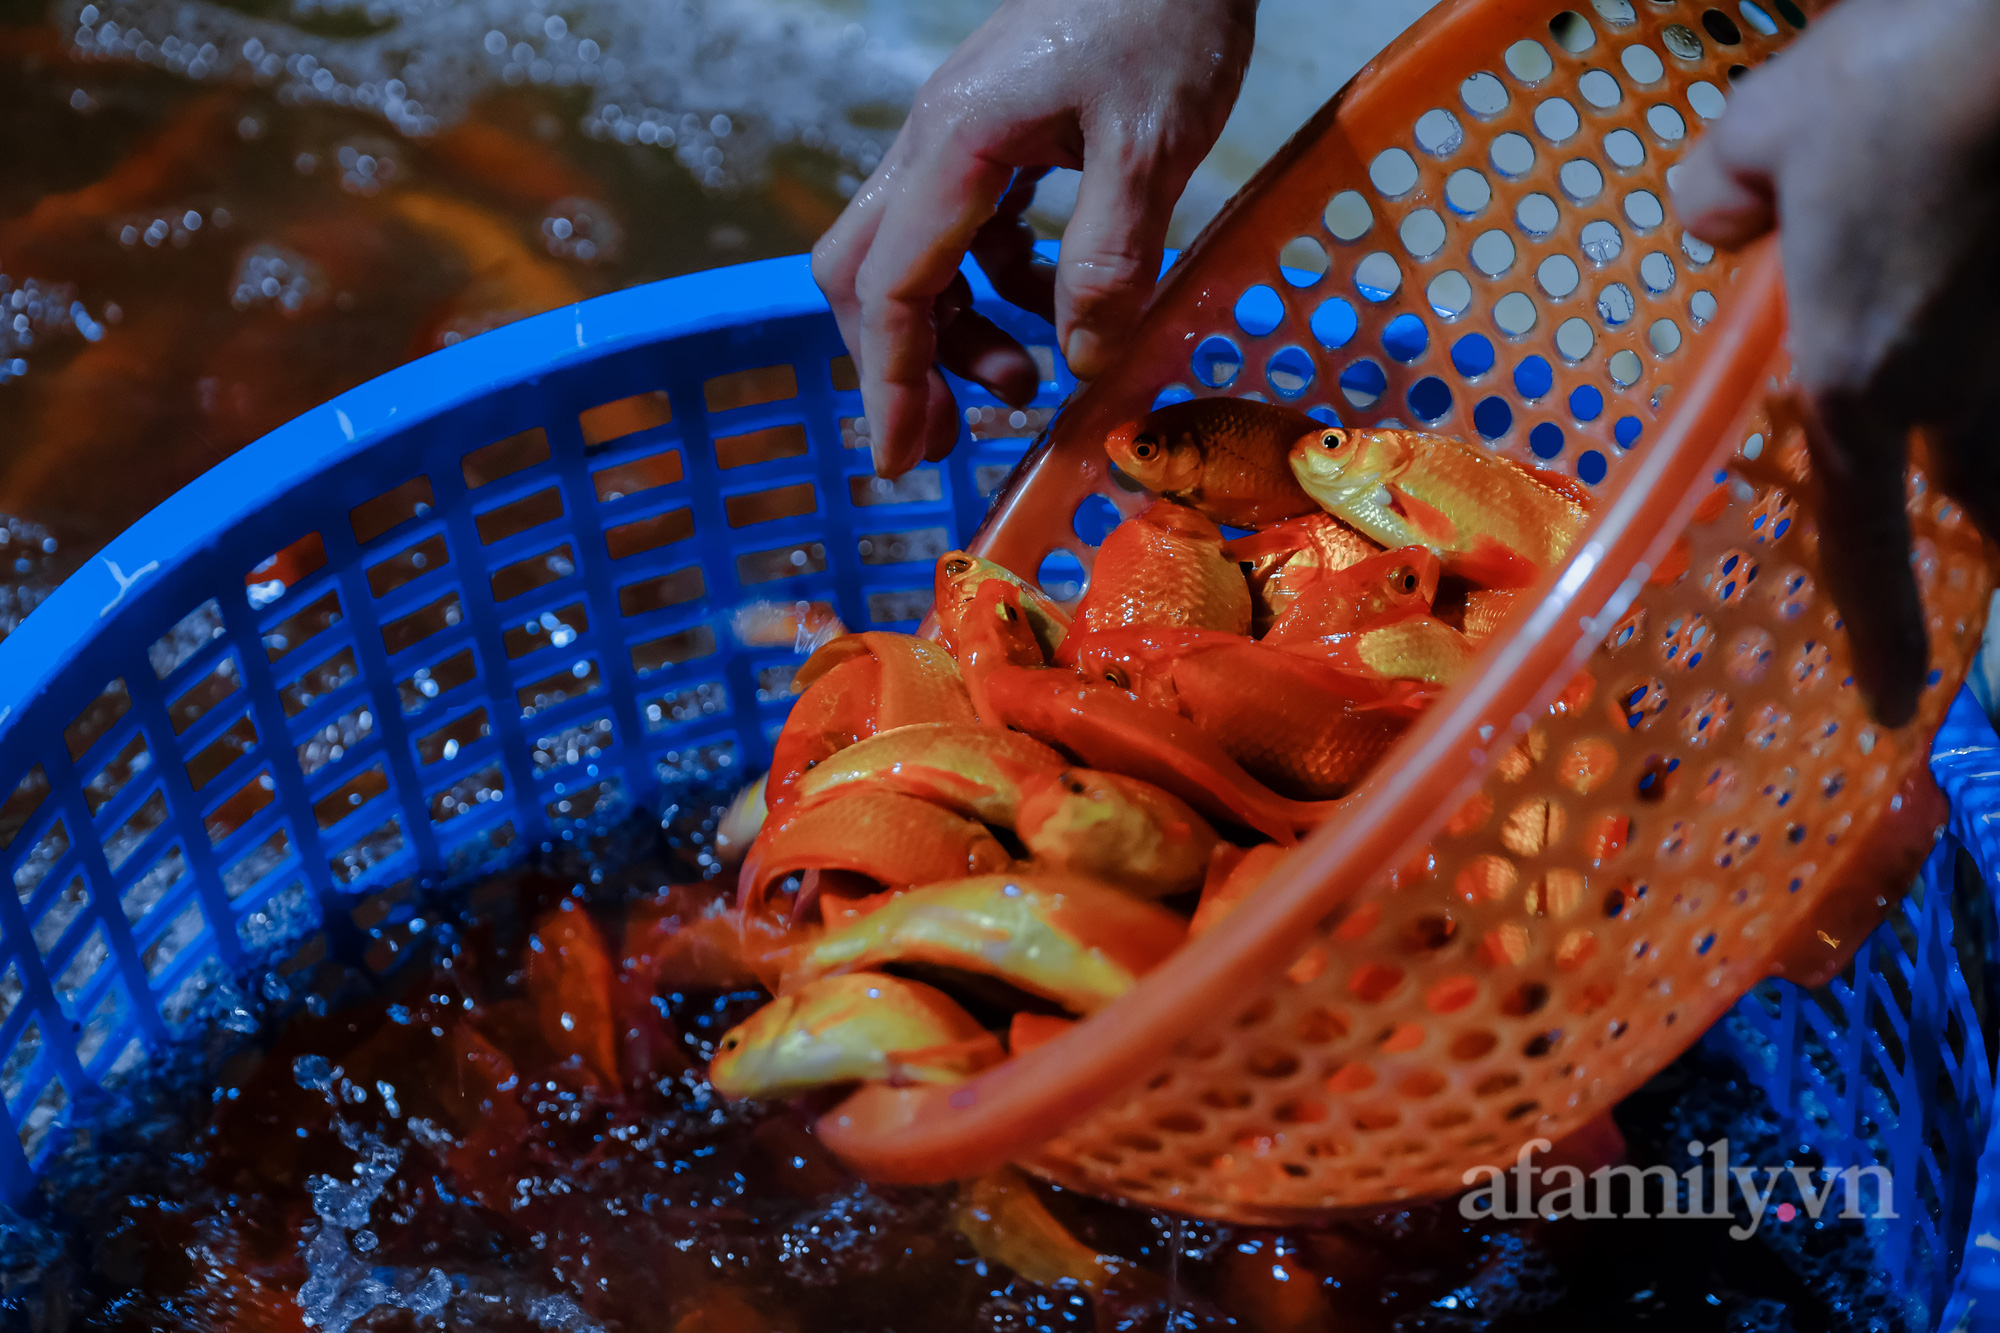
(489, 625)
(1661, 783)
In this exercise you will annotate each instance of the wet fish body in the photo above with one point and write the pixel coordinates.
(1222, 456)
(860, 1026)
(1067, 939)
(1165, 567)
(1487, 518)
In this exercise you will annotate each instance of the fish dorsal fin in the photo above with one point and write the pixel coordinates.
(1568, 487)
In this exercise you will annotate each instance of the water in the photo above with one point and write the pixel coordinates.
(442, 1148)
(217, 213)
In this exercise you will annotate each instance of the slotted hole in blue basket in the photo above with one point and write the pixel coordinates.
(503, 458)
(1061, 576)
(747, 450)
(436, 680)
(1290, 371)
(97, 718)
(275, 575)
(639, 475)
(1591, 467)
(673, 649)
(557, 687)
(536, 571)
(1216, 362)
(581, 743)
(1627, 431)
(1173, 393)
(610, 422)
(214, 759)
(1586, 403)
(1363, 383)
(408, 565)
(624, 540)
(1546, 440)
(1259, 310)
(1405, 338)
(391, 509)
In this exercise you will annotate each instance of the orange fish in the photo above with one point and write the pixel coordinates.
(855, 686)
(959, 577)
(1488, 518)
(1234, 874)
(1379, 590)
(1280, 561)
(974, 771)
(1165, 567)
(1112, 730)
(1486, 609)
(834, 712)
(1283, 719)
(1144, 661)
(1420, 649)
(891, 838)
(1067, 939)
(569, 981)
(1222, 456)
(1117, 829)
(995, 631)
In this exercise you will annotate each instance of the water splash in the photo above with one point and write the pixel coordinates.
(716, 83)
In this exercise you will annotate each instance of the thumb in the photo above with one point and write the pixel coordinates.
(1725, 189)
(1111, 249)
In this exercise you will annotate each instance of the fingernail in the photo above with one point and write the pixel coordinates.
(1084, 351)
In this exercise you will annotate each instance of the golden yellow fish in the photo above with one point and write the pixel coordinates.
(966, 768)
(1117, 829)
(861, 1026)
(1222, 456)
(1008, 1224)
(1488, 519)
(1421, 648)
(957, 582)
(1065, 938)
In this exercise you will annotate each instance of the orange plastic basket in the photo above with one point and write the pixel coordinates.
(1660, 786)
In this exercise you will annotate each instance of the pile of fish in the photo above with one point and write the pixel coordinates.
(971, 842)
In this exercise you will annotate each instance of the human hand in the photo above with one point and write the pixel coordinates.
(1131, 92)
(1873, 145)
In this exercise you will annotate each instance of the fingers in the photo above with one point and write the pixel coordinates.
(1111, 248)
(1005, 249)
(1723, 203)
(1725, 189)
(937, 199)
(1864, 548)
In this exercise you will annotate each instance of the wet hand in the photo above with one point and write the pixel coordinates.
(1131, 92)
(1873, 145)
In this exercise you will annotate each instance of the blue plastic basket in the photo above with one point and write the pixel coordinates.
(207, 764)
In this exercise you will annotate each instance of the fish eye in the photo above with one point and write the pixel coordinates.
(1144, 447)
(1409, 581)
(1006, 613)
(1333, 439)
(732, 1041)
(1114, 676)
(956, 567)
